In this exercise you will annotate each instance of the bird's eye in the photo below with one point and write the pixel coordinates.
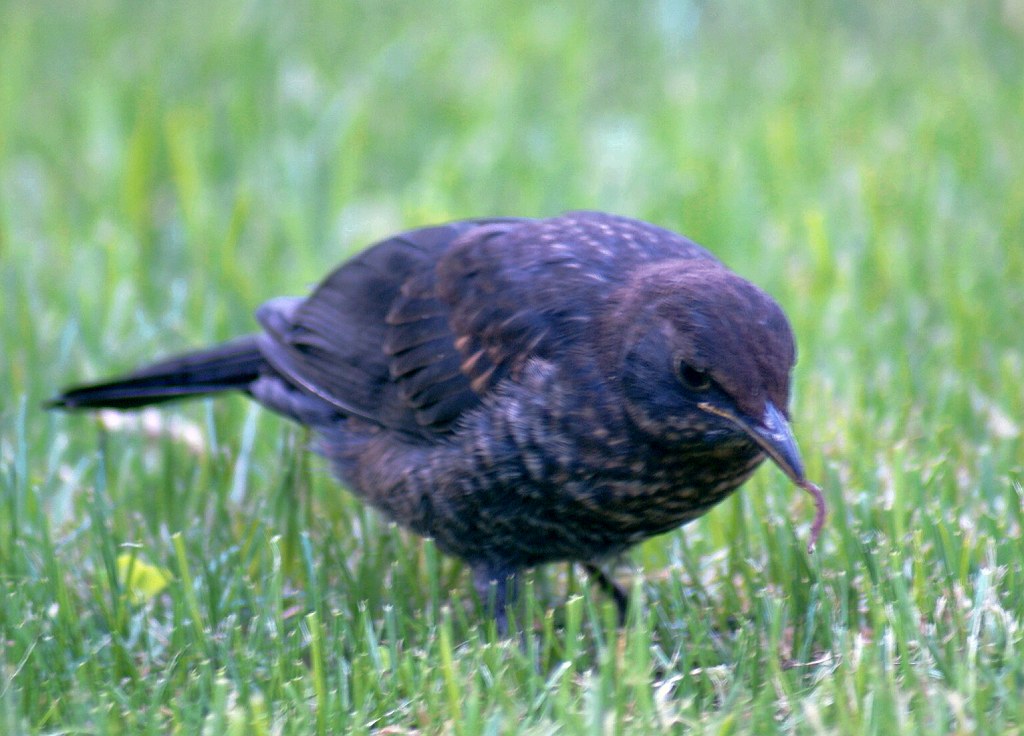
(693, 379)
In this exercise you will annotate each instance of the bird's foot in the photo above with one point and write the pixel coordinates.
(497, 588)
(611, 588)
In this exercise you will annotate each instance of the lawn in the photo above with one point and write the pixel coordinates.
(165, 167)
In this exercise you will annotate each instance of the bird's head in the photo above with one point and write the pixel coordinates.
(707, 359)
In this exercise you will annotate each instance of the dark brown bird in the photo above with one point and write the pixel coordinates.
(522, 391)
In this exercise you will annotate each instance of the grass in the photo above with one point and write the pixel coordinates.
(164, 167)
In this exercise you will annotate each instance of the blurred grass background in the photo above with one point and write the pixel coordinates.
(165, 167)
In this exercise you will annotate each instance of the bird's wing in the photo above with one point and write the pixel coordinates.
(332, 344)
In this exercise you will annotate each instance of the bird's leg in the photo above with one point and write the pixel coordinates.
(497, 587)
(610, 587)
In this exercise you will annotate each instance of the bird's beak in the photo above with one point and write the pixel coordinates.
(773, 434)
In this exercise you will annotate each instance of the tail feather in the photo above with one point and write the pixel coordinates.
(230, 366)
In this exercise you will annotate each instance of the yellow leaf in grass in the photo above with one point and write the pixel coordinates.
(141, 580)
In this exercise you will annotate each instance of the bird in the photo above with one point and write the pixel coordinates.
(522, 391)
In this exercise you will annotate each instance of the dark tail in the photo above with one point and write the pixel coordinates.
(229, 366)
